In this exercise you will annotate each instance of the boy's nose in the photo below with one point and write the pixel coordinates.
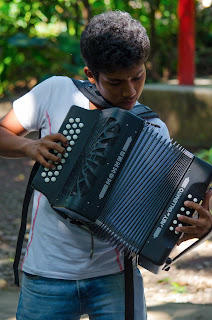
(129, 91)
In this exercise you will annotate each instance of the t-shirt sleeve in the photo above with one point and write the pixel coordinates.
(30, 109)
(161, 127)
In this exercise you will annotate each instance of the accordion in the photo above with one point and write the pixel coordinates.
(125, 181)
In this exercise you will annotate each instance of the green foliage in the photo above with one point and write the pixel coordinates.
(41, 38)
(174, 286)
(205, 155)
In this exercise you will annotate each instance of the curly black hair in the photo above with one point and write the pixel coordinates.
(113, 40)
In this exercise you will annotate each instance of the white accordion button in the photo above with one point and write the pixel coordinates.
(81, 125)
(190, 196)
(175, 221)
(77, 119)
(171, 228)
(53, 179)
(65, 155)
(75, 137)
(188, 212)
(178, 215)
(77, 131)
(180, 225)
(59, 167)
(195, 200)
(68, 126)
(71, 120)
(72, 143)
(56, 173)
(50, 173)
(43, 174)
(46, 179)
(74, 125)
(63, 161)
(69, 149)
(65, 132)
(71, 131)
(46, 169)
(182, 209)
(68, 138)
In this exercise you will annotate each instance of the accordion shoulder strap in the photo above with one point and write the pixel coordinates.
(129, 288)
(90, 91)
(22, 230)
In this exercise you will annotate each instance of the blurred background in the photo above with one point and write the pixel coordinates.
(41, 38)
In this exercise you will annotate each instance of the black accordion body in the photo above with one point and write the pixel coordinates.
(125, 181)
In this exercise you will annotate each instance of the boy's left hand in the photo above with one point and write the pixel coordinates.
(197, 228)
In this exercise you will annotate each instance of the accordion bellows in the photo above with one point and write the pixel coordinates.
(125, 181)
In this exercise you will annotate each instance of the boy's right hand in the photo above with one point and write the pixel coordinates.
(39, 150)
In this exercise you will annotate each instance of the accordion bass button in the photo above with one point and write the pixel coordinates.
(182, 209)
(53, 179)
(71, 131)
(46, 180)
(71, 120)
(56, 173)
(65, 132)
(195, 200)
(78, 131)
(77, 119)
(68, 126)
(74, 125)
(81, 125)
(190, 196)
(69, 149)
(171, 228)
(43, 174)
(175, 222)
(188, 213)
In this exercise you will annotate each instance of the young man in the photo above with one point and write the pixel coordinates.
(60, 281)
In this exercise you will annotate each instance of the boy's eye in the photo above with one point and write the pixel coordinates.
(114, 83)
(138, 78)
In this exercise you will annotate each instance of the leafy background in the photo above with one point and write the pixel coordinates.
(41, 38)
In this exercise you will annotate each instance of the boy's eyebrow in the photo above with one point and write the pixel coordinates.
(112, 79)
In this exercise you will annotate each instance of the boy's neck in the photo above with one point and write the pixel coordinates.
(92, 106)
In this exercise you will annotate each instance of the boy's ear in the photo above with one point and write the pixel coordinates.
(89, 75)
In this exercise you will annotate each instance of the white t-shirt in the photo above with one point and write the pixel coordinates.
(54, 249)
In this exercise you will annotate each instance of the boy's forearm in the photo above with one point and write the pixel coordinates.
(11, 145)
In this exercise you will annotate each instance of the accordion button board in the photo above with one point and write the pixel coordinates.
(72, 130)
(125, 181)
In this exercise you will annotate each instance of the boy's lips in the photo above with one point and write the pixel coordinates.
(128, 103)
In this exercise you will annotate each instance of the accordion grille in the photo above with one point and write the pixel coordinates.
(148, 178)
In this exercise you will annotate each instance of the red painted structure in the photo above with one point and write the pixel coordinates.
(186, 42)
